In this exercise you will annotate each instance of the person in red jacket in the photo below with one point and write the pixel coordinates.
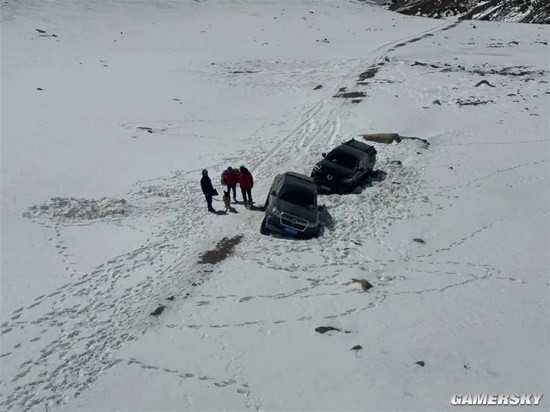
(230, 179)
(246, 181)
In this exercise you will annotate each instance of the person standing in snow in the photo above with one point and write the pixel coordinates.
(246, 182)
(230, 177)
(208, 189)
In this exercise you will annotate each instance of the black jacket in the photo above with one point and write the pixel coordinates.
(206, 186)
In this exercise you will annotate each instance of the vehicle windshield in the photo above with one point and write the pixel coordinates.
(343, 159)
(298, 196)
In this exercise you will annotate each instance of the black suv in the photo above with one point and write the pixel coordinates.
(291, 207)
(345, 167)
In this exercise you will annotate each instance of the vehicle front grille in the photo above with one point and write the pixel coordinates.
(293, 222)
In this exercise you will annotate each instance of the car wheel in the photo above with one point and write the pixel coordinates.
(263, 228)
(317, 232)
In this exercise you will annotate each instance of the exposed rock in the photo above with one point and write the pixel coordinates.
(158, 310)
(325, 329)
(387, 138)
(369, 73)
(350, 95)
(364, 283)
(484, 82)
(521, 11)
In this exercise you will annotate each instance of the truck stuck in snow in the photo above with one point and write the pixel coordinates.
(344, 167)
(291, 207)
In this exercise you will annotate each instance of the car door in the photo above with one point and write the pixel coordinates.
(273, 191)
(362, 169)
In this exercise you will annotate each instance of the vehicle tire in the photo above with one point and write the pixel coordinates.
(313, 234)
(317, 232)
(263, 228)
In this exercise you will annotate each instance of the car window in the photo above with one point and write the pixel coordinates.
(343, 159)
(298, 196)
(276, 186)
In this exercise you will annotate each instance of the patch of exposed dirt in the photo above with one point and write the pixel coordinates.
(78, 209)
(223, 249)
(369, 73)
(484, 69)
(473, 102)
(244, 71)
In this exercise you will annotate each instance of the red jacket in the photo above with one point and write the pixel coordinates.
(230, 178)
(245, 180)
(235, 176)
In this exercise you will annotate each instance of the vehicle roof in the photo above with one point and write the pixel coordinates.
(297, 178)
(356, 144)
(344, 148)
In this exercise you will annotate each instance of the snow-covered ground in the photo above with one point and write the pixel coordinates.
(111, 110)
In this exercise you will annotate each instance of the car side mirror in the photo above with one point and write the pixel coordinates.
(324, 154)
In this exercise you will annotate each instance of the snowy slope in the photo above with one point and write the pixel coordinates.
(137, 97)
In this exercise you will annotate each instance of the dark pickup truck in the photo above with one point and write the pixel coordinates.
(291, 207)
(344, 167)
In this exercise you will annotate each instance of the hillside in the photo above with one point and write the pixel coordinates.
(520, 11)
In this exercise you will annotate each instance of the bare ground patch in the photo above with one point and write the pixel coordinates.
(224, 248)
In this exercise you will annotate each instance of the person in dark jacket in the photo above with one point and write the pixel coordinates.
(230, 178)
(246, 181)
(208, 189)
